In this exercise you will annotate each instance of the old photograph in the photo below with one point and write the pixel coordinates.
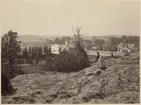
(70, 51)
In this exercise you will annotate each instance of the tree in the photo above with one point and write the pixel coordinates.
(10, 50)
(114, 42)
(49, 41)
(25, 54)
(40, 52)
(93, 40)
(79, 43)
(57, 41)
(49, 50)
(33, 53)
(37, 55)
(87, 44)
(45, 51)
(30, 60)
(7, 88)
(99, 43)
(63, 39)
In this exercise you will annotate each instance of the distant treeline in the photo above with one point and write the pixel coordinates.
(58, 40)
(112, 43)
(102, 44)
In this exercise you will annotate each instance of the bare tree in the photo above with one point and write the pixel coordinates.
(79, 42)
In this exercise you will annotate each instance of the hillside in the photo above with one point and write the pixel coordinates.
(30, 37)
(118, 84)
(31, 40)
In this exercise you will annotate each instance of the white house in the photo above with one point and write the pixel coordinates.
(55, 48)
(122, 47)
(93, 48)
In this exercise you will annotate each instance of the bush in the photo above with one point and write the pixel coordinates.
(66, 62)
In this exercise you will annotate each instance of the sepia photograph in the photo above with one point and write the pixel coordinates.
(70, 51)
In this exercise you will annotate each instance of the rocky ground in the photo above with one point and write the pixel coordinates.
(117, 84)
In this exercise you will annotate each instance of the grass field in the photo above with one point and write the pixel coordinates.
(30, 68)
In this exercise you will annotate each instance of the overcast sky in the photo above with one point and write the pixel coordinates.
(56, 17)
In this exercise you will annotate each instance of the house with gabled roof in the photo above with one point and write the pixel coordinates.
(127, 47)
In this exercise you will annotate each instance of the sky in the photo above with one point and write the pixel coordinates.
(57, 17)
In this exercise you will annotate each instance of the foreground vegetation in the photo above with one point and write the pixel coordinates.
(66, 62)
(120, 83)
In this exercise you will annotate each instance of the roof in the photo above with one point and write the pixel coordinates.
(128, 44)
(120, 45)
(93, 47)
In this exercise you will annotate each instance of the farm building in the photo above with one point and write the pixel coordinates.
(55, 49)
(93, 48)
(128, 47)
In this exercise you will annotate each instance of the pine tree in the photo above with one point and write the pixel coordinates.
(10, 50)
(30, 60)
(25, 54)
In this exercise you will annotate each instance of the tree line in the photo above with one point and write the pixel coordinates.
(58, 40)
(113, 42)
(101, 44)
(35, 53)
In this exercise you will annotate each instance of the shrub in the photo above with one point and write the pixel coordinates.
(66, 62)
